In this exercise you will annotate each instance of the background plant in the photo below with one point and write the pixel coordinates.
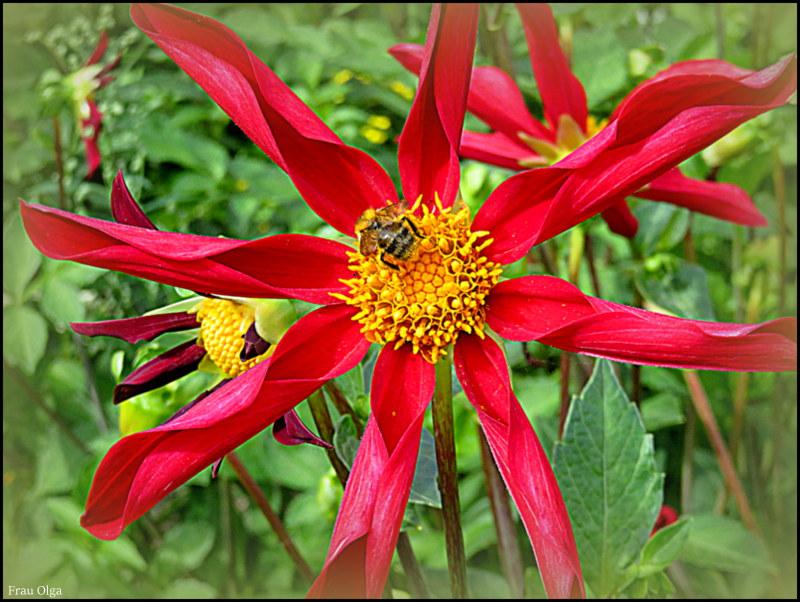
(196, 172)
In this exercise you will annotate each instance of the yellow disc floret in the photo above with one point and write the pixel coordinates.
(428, 298)
(223, 324)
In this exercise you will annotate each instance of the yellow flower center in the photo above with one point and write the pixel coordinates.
(223, 324)
(436, 291)
(569, 137)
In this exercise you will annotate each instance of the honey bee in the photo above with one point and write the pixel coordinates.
(387, 231)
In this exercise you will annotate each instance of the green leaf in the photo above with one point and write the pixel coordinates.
(661, 226)
(663, 548)
(189, 589)
(20, 258)
(185, 547)
(24, 337)
(676, 286)
(424, 489)
(717, 542)
(61, 302)
(606, 468)
(345, 439)
(662, 410)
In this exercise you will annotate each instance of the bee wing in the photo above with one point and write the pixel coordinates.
(393, 211)
(368, 242)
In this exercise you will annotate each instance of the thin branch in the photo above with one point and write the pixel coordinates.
(703, 408)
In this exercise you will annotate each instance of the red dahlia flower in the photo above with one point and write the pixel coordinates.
(519, 141)
(82, 84)
(442, 294)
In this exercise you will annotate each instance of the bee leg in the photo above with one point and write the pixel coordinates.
(391, 265)
(412, 226)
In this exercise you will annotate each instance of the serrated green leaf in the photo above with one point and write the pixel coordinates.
(606, 469)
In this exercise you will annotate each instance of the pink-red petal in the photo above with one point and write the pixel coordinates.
(557, 313)
(124, 207)
(337, 181)
(140, 328)
(639, 146)
(377, 490)
(483, 373)
(99, 51)
(141, 469)
(494, 97)
(620, 220)
(495, 149)
(292, 266)
(717, 199)
(428, 146)
(562, 93)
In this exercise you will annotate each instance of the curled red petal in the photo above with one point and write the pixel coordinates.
(290, 430)
(562, 92)
(708, 83)
(377, 490)
(644, 142)
(717, 199)
(292, 266)
(167, 367)
(142, 468)
(124, 207)
(557, 313)
(140, 328)
(337, 181)
(620, 220)
(483, 373)
(428, 146)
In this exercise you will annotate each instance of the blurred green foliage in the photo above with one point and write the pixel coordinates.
(194, 171)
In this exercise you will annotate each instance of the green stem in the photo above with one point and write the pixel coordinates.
(448, 478)
(416, 582)
(322, 418)
(342, 405)
(252, 488)
(507, 544)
